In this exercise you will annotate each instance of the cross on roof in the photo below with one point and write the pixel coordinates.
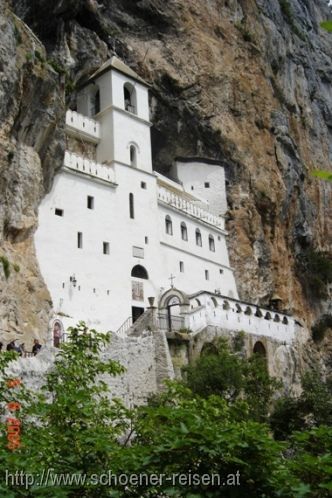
(171, 278)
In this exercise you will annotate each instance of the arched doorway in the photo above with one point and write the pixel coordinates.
(171, 306)
(138, 274)
(209, 349)
(259, 348)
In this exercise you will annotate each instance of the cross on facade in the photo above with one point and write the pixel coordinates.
(171, 278)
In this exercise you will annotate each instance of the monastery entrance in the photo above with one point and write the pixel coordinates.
(136, 312)
(171, 307)
(138, 274)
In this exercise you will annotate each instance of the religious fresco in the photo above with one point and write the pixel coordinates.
(137, 291)
(57, 330)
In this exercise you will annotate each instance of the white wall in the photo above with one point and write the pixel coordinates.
(142, 99)
(235, 319)
(56, 243)
(196, 259)
(126, 131)
(195, 174)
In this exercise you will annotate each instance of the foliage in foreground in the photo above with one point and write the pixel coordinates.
(74, 428)
(233, 376)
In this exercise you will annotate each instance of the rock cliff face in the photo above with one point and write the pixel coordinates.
(243, 81)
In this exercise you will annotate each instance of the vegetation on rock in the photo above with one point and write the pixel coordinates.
(73, 428)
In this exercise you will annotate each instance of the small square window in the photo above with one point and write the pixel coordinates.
(143, 185)
(207, 184)
(181, 266)
(106, 247)
(80, 240)
(221, 271)
(58, 212)
(192, 187)
(146, 240)
(206, 274)
(90, 202)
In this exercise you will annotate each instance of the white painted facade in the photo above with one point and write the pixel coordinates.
(104, 217)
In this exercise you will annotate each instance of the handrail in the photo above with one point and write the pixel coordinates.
(125, 327)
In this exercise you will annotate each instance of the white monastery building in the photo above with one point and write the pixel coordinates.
(113, 233)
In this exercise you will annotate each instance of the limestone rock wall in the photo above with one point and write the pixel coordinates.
(243, 81)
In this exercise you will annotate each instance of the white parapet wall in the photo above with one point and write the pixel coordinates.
(88, 167)
(190, 208)
(79, 125)
(234, 315)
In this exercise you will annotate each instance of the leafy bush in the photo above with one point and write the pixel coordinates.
(232, 377)
(72, 427)
(5, 265)
(312, 408)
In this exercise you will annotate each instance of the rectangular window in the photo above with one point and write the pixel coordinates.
(221, 271)
(106, 247)
(146, 240)
(143, 185)
(181, 266)
(58, 212)
(207, 184)
(206, 274)
(90, 202)
(131, 206)
(80, 240)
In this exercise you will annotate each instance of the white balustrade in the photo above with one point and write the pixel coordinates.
(88, 167)
(83, 125)
(188, 207)
(227, 315)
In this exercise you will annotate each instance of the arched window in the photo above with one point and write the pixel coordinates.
(238, 308)
(131, 206)
(139, 272)
(226, 305)
(97, 102)
(133, 156)
(129, 95)
(168, 225)
(285, 321)
(212, 246)
(198, 237)
(184, 232)
(214, 301)
(258, 313)
(276, 318)
(267, 316)
(94, 101)
(248, 311)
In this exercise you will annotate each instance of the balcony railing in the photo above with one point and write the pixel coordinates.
(88, 167)
(82, 126)
(188, 207)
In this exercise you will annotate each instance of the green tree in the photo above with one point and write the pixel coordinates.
(72, 426)
(233, 377)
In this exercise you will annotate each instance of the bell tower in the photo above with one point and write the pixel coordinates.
(118, 99)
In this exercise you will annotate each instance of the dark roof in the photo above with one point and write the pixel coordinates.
(118, 65)
(197, 159)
